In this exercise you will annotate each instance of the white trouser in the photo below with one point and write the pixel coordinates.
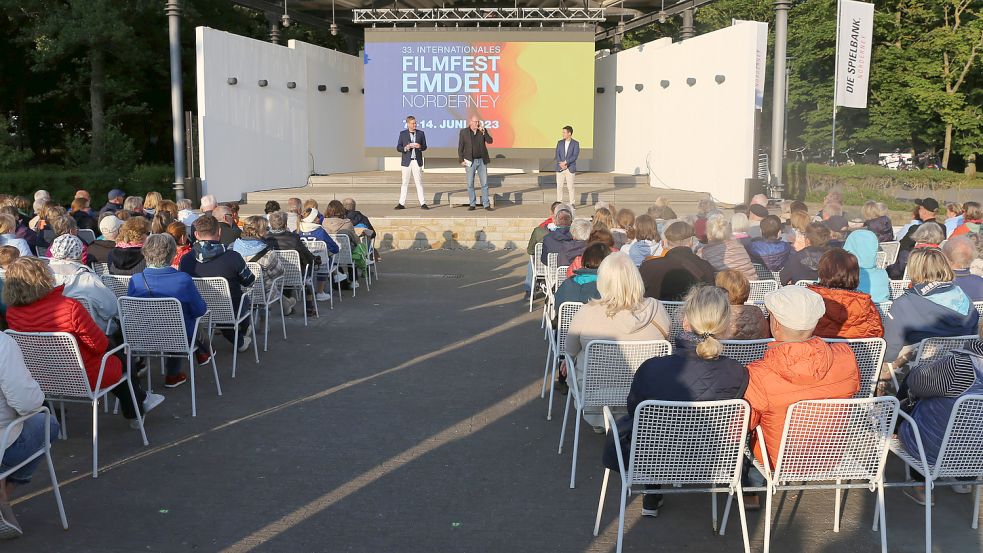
(564, 177)
(415, 170)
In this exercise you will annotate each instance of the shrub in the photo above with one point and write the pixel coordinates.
(62, 183)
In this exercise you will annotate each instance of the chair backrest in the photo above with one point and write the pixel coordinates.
(118, 284)
(932, 348)
(881, 260)
(610, 366)
(979, 308)
(86, 235)
(567, 310)
(290, 261)
(152, 325)
(836, 439)
(257, 292)
(961, 453)
(870, 355)
(759, 288)
(561, 275)
(54, 360)
(898, 287)
(87, 305)
(763, 272)
(344, 255)
(100, 268)
(745, 351)
(218, 298)
(883, 308)
(539, 269)
(320, 250)
(891, 249)
(675, 310)
(683, 442)
(551, 264)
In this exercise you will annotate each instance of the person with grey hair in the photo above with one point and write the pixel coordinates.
(282, 239)
(929, 234)
(133, 204)
(230, 231)
(722, 251)
(358, 219)
(160, 280)
(295, 211)
(960, 252)
(80, 281)
(562, 242)
(186, 214)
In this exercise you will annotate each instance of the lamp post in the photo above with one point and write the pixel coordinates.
(173, 11)
(778, 90)
(688, 29)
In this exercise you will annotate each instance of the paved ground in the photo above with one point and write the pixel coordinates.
(407, 420)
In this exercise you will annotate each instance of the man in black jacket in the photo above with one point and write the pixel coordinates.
(925, 211)
(229, 231)
(114, 204)
(670, 277)
(355, 216)
(472, 152)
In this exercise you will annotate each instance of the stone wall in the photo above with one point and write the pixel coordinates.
(398, 233)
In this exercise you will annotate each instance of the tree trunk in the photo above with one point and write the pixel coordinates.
(947, 147)
(97, 80)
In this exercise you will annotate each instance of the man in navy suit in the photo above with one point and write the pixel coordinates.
(411, 145)
(567, 151)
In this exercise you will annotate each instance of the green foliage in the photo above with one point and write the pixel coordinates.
(121, 154)
(62, 183)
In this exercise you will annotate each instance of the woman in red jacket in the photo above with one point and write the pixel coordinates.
(34, 304)
(849, 312)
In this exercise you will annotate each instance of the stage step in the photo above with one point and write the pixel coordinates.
(547, 180)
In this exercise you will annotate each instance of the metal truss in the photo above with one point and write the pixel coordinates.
(478, 15)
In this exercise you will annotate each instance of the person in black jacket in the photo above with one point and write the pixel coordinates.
(282, 239)
(670, 277)
(472, 152)
(355, 216)
(695, 371)
(804, 264)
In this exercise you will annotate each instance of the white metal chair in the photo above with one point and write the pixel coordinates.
(86, 235)
(758, 290)
(745, 351)
(933, 348)
(551, 265)
(556, 348)
(891, 249)
(979, 308)
(829, 444)
(561, 275)
(538, 272)
(869, 353)
(54, 360)
(296, 279)
(675, 310)
(960, 456)
(261, 301)
(215, 292)
(609, 367)
(881, 260)
(45, 450)
(898, 287)
(154, 327)
(100, 268)
(884, 308)
(549, 287)
(326, 268)
(371, 265)
(344, 259)
(764, 274)
(680, 443)
(118, 284)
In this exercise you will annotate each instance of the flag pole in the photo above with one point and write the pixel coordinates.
(836, 72)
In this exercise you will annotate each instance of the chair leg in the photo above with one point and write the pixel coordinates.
(266, 327)
(317, 310)
(743, 513)
(549, 408)
(563, 427)
(54, 486)
(576, 444)
(283, 318)
(546, 369)
(191, 371)
(235, 349)
(303, 299)
(218, 385)
(713, 509)
(880, 503)
(600, 502)
(252, 329)
(140, 419)
(723, 523)
(976, 507)
(836, 508)
(928, 515)
(621, 518)
(768, 494)
(95, 438)
(64, 422)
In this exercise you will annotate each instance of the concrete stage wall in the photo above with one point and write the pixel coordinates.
(696, 137)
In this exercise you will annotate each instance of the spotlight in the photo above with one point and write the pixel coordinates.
(344, 90)
(690, 81)
(263, 82)
(285, 21)
(232, 80)
(664, 83)
(334, 29)
(321, 88)
(639, 86)
(720, 79)
(619, 88)
(600, 90)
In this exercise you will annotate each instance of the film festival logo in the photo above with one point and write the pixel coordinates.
(451, 76)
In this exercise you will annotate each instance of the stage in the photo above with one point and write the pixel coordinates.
(521, 202)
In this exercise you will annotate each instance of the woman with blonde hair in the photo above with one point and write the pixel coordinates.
(602, 217)
(151, 203)
(799, 220)
(695, 371)
(747, 322)
(933, 306)
(647, 242)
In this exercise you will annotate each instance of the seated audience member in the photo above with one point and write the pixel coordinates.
(336, 222)
(186, 213)
(929, 393)
(798, 222)
(127, 257)
(722, 252)
(661, 210)
(536, 237)
(972, 219)
(646, 243)
(21, 396)
(954, 217)
(179, 232)
(926, 235)
(310, 229)
(151, 203)
(294, 211)
(622, 313)
(253, 247)
(62, 225)
(23, 231)
(603, 218)
(757, 213)
(582, 286)
(272, 206)
(696, 371)
(704, 209)
(601, 235)
(83, 215)
(80, 281)
(849, 313)
(114, 204)
(770, 250)
(960, 252)
(161, 280)
(876, 220)
(169, 207)
(747, 322)
(134, 206)
(925, 211)
(804, 264)
(7, 256)
(35, 304)
(229, 230)
(160, 221)
(798, 366)
(559, 240)
(624, 227)
(283, 239)
(835, 221)
(358, 219)
(670, 277)
(8, 225)
(209, 258)
(208, 204)
(933, 306)
(105, 243)
(873, 281)
(739, 228)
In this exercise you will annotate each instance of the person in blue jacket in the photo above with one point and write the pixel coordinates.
(160, 280)
(770, 250)
(863, 245)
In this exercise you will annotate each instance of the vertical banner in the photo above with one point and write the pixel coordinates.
(761, 57)
(855, 29)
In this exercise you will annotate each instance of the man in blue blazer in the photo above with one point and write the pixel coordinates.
(567, 151)
(411, 145)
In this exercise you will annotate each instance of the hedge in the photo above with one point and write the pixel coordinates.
(62, 183)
